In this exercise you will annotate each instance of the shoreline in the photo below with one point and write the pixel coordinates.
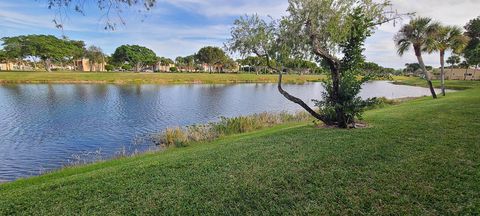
(147, 78)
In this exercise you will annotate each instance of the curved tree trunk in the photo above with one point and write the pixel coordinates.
(300, 102)
(442, 70)
(424, 69)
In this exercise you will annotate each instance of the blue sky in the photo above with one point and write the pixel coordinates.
(181, 27)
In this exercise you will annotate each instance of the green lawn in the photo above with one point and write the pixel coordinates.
(146, 78)
(421, 157)
(449, 84)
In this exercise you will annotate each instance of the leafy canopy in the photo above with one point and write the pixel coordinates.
(211, 55)
(472, 51)
(45, 47)
(95, 54)
(447, 38)
(134, 55)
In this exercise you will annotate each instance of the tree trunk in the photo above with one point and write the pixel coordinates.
(137, 67)
(300, 102)
(475, 72)
(424, 69)
(47, 63)
(341, 119)
(442, 70)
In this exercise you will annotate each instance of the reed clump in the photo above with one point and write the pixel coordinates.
(182, 136)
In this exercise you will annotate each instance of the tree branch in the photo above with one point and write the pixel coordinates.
(293, 98)
(332, 61)
(300, 102)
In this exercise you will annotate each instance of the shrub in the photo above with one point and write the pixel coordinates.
(173, 69)
(109, 67)
(127, 67)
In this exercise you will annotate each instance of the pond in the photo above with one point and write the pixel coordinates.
(47, 126)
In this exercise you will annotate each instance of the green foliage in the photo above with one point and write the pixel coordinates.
(352, 63)
(95, 56)
(48, 48)
(109, 67)
(414, 67)
(472, 51)
(165, 61)
(453, 60)
(3, 55)
(211, 55)
(417, 34)
(127, 67)
(447, 38)
(374, 70)
(173, 69)
(135, 55)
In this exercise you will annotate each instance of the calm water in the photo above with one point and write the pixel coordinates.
(43, 127)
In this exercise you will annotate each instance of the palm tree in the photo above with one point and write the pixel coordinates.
(447, 38)
(417, 34)
(453, 60)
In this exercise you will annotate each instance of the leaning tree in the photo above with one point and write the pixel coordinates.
(417, 34)
(319, 30)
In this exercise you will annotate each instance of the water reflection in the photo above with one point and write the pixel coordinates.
(44, 126)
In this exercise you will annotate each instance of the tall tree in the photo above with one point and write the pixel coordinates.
(472, 51)
(16, 48)
(453, 60)
(446, 38)
(317, 30)
(211, 55)
(165, 61)
(135, 55)
(48, 48)
(95, 56)
(417, 34)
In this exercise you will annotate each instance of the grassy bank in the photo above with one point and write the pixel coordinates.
(420, 157)
(449, 84)
(146, 78)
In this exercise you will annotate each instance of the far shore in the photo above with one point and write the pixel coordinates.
(17, 77)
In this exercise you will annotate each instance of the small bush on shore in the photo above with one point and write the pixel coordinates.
(182, 136)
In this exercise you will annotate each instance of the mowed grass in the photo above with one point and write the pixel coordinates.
(421, 157)
(147, 78)
(449, 84)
